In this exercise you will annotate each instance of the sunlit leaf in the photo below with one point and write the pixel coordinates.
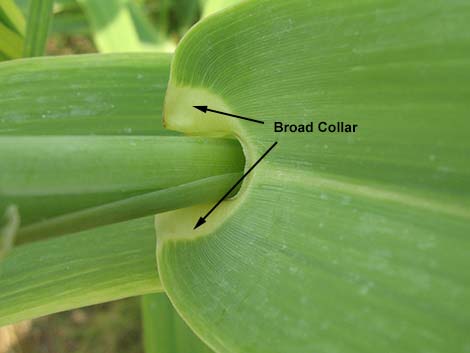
(11, 16)
(11, 43)
(212, 6)
(116, 28)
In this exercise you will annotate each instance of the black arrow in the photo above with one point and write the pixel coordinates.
(202, 220)
(204, 109)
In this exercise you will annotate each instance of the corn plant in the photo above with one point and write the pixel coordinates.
(303, 166)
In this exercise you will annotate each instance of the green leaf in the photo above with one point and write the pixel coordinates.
(212, 6)
(144, 27)
(37, 28)
(164, 330)
(77, 270)
(336, 242)
(65, 273)
(11, 43)
(65, 5)
(112, 94)
(186, 13)
(23, 5)
(70, 23)
(113, 26)
(12, 17)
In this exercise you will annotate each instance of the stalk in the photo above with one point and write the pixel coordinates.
(134, 207)
(51, 176)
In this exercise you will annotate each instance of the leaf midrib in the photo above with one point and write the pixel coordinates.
(357, 188)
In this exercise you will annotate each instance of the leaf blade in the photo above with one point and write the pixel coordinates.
(12, 16)
(11, 43)
(111, 94)
(337, 242)
(65, 273)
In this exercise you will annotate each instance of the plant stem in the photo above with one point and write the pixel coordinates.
(51, 176)
(138, 206)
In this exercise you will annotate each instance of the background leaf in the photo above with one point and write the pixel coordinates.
(212, 6)
(68, 23)
(112, 25)
(11, 44)
(38, 26)
(12, 17)
(164, 331)
(120, 26)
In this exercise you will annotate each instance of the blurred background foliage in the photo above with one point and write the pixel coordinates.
(104, 328)
(88, 26)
